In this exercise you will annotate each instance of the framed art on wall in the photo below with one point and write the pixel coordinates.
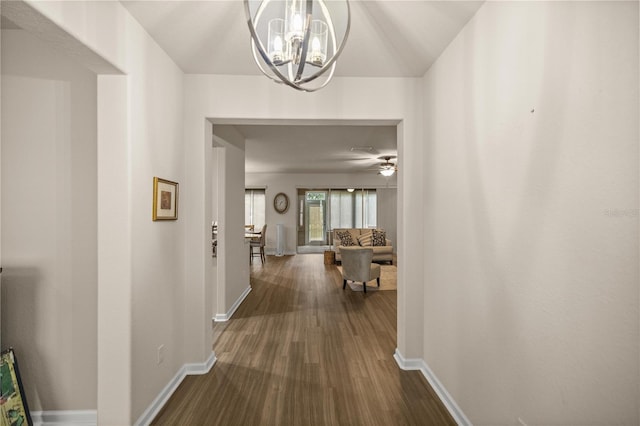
(165, 199)
(13, 403)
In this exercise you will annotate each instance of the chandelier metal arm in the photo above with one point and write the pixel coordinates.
(334, 58)
(305, 40)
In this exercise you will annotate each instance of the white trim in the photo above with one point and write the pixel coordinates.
(272, 252)
(197, 369)
(187, 370)
(419, 364)
(67, 417)
(232, 310)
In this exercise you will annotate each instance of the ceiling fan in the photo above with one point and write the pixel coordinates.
(387, 168)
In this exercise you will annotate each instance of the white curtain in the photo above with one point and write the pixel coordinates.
(254, 207)
(349, 211)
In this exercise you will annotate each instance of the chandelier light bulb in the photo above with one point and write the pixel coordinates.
(297, 25)
(277, 55)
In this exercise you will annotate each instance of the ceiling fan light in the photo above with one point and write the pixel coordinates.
(387, 172)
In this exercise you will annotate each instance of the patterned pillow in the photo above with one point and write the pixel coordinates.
(366, 239)
(379, 238)
(345, 238)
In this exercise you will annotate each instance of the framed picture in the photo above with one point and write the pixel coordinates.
(13, 403)
(165, 199)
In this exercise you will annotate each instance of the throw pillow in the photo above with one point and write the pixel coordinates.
(379, 238)
(366, 239)
(345, 238)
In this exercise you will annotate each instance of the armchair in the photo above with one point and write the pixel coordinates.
(357, 266)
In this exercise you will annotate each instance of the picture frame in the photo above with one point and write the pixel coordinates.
(165, 199)
(13, 403)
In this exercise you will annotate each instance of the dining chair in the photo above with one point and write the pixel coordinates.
(259, 244)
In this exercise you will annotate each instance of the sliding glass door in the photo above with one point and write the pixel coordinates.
(321, 210)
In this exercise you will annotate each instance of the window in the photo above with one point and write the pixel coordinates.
(353, 209)
(316, 196)
(254, 207)
(365, 207)
(342, 210)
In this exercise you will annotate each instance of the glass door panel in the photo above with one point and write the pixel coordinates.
(315, 206)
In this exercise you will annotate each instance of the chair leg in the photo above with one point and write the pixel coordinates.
(250, 255)
(344, 284)
(364, 286)
(378, 279)
(263, 258)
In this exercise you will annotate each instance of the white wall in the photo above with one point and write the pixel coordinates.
(49, 239)
(158, 274)
(531, 200)
(140, 117)
(233, 259)
(289, 184)
(387, 212)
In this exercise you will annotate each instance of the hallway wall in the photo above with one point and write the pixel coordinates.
(531, 200)
(232, 265)
(141, 299)
(49, 220)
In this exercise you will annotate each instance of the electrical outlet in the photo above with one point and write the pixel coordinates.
(160, 354)
(522, 422)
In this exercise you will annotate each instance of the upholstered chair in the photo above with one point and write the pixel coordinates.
(357, 266)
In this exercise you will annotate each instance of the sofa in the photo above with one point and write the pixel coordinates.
(380, 253)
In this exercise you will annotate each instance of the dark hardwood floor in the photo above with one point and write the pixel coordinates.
(302, 351)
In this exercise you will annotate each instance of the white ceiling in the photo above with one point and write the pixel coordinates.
(388, 38)
(317, 148)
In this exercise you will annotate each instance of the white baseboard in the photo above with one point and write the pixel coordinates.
(187, 370)
(199, 368)
(90, 417)
(227, 316)
(59, 418)
(269, 252)
(447, 400)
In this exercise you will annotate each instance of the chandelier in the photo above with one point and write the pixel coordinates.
(297, 42)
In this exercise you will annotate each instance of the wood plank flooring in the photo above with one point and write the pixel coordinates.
(302, 351)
